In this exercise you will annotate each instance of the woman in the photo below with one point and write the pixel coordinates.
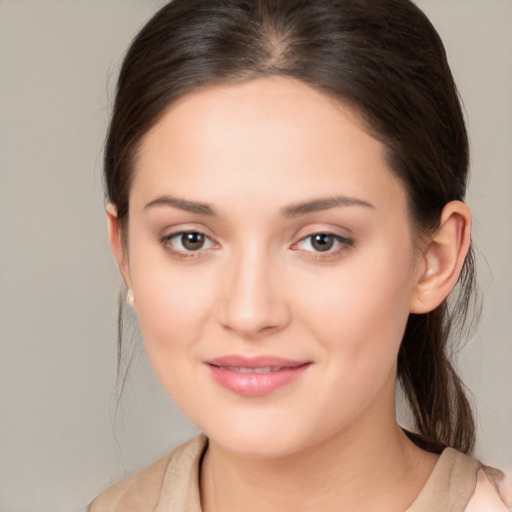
(285, 184)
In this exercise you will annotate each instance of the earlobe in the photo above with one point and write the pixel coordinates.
(130, 299)
(116, 242)
(444, 256)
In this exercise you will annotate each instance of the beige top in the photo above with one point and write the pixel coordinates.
(458, 483)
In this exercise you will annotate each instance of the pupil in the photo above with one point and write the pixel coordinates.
(192, 241)
(323, 242)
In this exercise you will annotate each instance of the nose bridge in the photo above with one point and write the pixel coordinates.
(253, 304)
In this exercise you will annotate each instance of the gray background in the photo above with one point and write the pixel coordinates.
(59, 441)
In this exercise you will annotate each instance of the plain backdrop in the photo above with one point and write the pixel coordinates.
(61, 441)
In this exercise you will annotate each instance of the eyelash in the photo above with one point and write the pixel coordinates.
(183, 253)
(343, 244)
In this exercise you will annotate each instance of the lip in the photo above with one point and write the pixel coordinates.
(255, 376)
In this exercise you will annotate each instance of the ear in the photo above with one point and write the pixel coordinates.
(443, 258)
(116, 243)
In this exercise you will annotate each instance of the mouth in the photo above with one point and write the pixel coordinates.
(265, 369)
(255, 376)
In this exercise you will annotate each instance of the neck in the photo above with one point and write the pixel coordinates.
(336, 474)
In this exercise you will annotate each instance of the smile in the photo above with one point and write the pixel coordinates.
(255, 376)
(267, 369)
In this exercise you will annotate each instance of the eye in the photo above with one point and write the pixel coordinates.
(327, 243)
(321, 242)
(187, 242)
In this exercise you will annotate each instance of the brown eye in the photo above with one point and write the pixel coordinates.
(192, 241)
(188, 244)
(322, 242)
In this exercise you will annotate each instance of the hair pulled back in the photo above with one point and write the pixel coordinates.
(385, 59)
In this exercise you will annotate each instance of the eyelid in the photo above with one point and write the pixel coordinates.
(339, 238)
(166, 232)
(343, 244)
(165, 241)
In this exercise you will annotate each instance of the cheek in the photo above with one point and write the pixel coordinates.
(357, 315)
(173, 305)
(360, 309)
(170, 311)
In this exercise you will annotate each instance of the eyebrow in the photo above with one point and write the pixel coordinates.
(294, 210)
(320, 204)
(182, 204)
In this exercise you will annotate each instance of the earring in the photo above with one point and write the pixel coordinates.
(130, 298)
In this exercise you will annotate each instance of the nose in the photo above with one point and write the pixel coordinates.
(254, 305)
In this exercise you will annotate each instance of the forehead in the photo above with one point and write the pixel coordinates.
(274, 137)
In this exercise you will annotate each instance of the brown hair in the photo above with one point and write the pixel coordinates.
(382, 57)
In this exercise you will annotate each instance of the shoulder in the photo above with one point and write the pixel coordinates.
(491, 493)
(487, 485)
(142, 491)
(460, 483)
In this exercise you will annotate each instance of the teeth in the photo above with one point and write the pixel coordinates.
(239, 369)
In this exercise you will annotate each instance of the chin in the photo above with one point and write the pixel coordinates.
(260, 438)
(257, 446)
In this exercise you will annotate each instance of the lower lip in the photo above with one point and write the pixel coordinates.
(256, 384)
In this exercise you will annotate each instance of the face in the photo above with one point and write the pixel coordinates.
(271, 258)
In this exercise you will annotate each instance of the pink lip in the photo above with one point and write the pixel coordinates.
(270, 373)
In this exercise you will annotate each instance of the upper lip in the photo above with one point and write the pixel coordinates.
(264, 361)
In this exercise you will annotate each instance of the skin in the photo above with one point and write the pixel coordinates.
(258, 286)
